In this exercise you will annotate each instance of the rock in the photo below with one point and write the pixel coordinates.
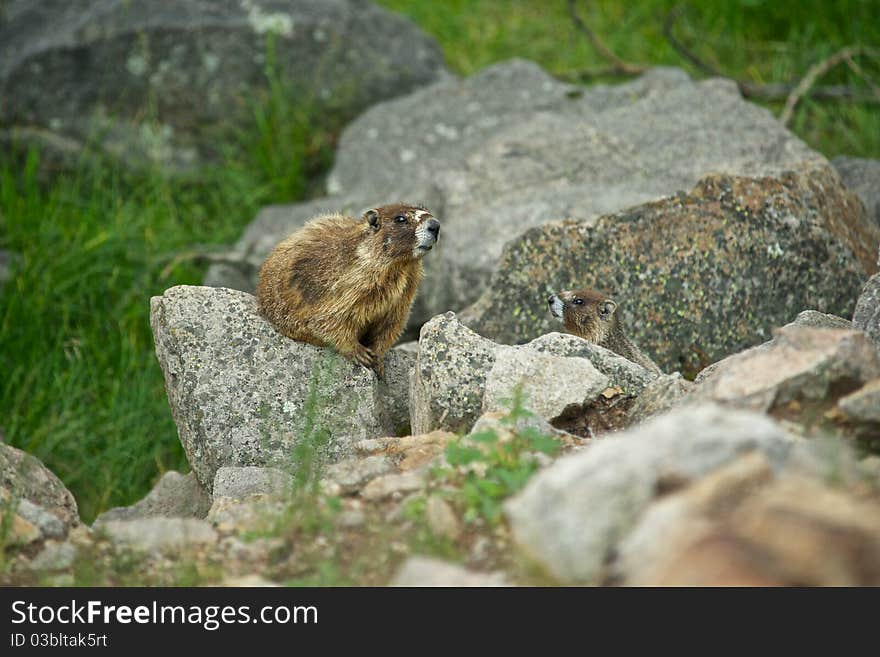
(621, 372)
(249, 581)
(862, 176)
(24, 477)
(815, 319)
(659, 396)
(394, 387)
(175, 495)
(391, 484)
(442, 519)
(241, 482)
(511, 148)
(427, 571)
(799, 365)
(352, 474)
(549, 384)
(54, 556)
(449, 376)
(409, 452)
(867, 313)
(255, 513)
(753, 252)
(242, 394)
(48, 524)
(571, 514)
(189, 73)
(450, 381)
(159, 534)
(747, 528)
(863, 405)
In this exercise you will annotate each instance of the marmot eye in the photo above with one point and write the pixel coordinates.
(578, 302)
(401, 218)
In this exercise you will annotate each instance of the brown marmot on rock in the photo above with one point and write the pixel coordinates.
(592, 316)
(348, 283)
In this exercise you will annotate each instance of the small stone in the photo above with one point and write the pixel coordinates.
(353, 473)
(387, 485)
(442, 519)
(159, 534)
(426, 571)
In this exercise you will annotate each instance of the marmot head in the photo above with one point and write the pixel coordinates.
(408, 231)
(585, 313)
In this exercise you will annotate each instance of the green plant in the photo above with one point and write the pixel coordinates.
(488, 468)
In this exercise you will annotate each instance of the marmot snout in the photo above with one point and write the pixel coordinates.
(349, 283)
(592, 316)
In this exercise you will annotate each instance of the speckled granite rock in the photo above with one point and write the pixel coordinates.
(239, 390)
(708, 272)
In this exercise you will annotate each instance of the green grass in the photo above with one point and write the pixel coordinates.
(79, 384)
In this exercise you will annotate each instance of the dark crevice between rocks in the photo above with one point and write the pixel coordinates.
(602, 415)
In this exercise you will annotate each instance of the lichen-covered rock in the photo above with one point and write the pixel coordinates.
(704, 273)
(862, 176)
(800, 364)
(242, 394)
(23, 477)
(449, 376)
(175, 495)
(815, 319)
(867, 313)
(394, 386)
(574, 512)
(187, 73)
(549, 384)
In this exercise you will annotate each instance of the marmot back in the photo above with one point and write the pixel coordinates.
(592, 316)
(346, 282)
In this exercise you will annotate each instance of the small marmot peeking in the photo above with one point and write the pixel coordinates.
(592, 316)
(348, 283)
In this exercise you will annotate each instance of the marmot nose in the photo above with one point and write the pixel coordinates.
(550, 299)
(434, 227)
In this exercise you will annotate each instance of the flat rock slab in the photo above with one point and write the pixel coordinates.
(242, 394)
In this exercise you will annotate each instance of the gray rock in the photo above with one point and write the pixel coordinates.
(621, 372)
(242, 394)
(240, 482)
(393, 485)
(351, 474)
(441, 518)
(862, 176)
(175, 495)
(759, 251)
(449, 376)
(54, 556)
(815, 319)
(800, 364)
(863, 405)
(574, 512)
(511, 148)
(549, 384)
(47, 523)
(159, 534)
(26, 478)
(867, 313)
(394, 387)
(659, 396)
(428, 571)
(186, 74)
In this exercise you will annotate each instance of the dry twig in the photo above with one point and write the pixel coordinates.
(618, 66)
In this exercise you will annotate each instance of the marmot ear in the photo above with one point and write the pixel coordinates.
(372, 218)
(607, 308)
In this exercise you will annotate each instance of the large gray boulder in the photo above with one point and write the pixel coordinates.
(511, 148)
(243, 394)
(167, 81)
(862, 176)
(572, 514)
(702, 274)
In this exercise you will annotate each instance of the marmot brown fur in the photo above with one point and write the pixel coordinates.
(592, 316)
(348, 283)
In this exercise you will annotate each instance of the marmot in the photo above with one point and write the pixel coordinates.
(348, 283)
(592, 316)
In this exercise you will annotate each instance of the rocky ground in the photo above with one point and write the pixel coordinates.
(497, 451)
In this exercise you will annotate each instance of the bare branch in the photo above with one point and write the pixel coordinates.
(683, 50)
(618, 66)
